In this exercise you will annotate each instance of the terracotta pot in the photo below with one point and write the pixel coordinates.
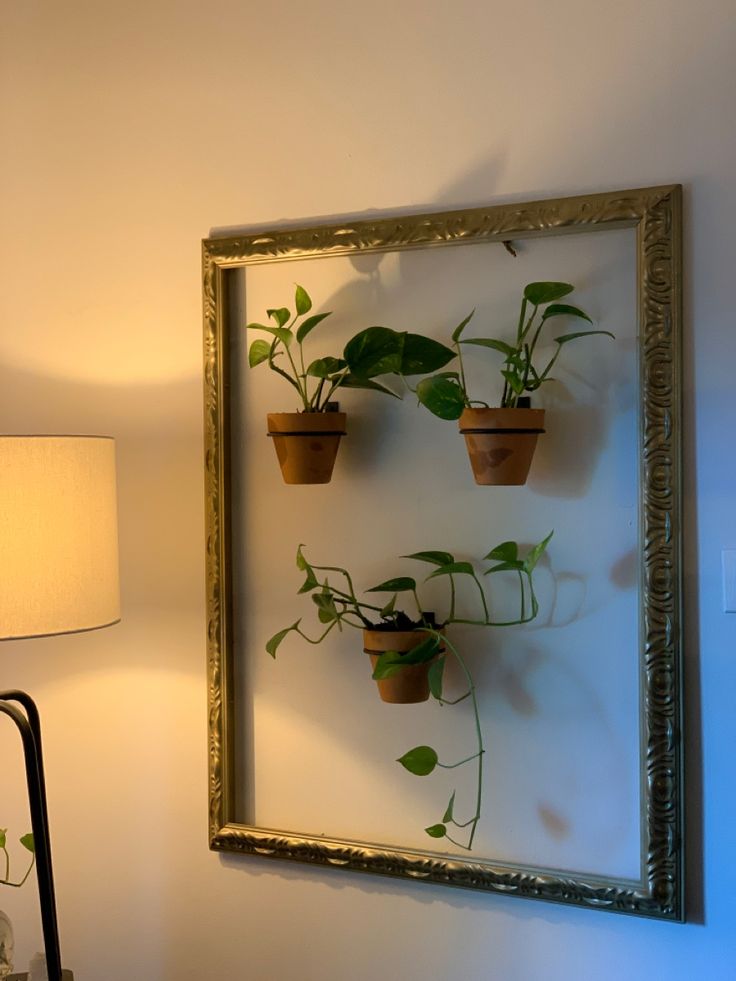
(501, 443)
(411, 683)
(306, 444)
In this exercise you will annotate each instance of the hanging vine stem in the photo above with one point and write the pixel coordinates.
(440, 830)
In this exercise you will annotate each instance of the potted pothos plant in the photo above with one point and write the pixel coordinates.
(6, 928)
(409, 650)
(306, 441)
(501, 440)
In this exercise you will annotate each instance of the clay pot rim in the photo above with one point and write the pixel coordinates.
(403, 634)
(306, 423)
(477, 419)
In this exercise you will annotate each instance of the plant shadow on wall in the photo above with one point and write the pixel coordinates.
(409, 650)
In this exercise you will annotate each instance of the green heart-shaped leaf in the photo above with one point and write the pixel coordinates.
(452, 568)
(302, 300)
(449, 813)
(308, 325)
(501, 346)
(420, 761)
(461, 326)
(436, 831)
(565, 310)
(258, 352)
(505, 552)
(534, 555)
(274, 642)
(324, 367)
(281, 315)
(582, 333)
(539, 293)
(400, 585)
(374, 351)
(435, 558)
(420, 355)
(435, 677)
(442, 396)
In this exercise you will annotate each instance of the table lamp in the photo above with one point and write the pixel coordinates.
(58, 575)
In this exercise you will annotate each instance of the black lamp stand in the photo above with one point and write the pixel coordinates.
(29, 726)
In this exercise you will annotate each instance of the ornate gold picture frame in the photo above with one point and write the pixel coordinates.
(655, 214)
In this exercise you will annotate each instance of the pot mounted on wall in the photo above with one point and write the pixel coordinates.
(306, 444)
(501, 443)
(410, 684)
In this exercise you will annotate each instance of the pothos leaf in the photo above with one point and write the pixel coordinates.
(353, 381)
(448, 815)
(392, 662)
(420, 761)
(282, 333)
(258, 352)
(436, 831)
(3, 837)
(452, 568)
(389, 607)
(420, 355)
(28, 843)
(516, 383)
(435, 677)
(461, 326)
(443, 397)
(281, 315)
(512, 566)
(309, 324)
(274, 642)
(400, 585)
(501, 346)
(582, 333)
(302, 300)
(505, 552)
(564, 310)
(311, 582)
(326, 605)
(434, 558)
(534, 555)
(538, 293)
(324, 367)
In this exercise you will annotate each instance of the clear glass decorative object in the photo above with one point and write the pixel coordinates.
(6, 946)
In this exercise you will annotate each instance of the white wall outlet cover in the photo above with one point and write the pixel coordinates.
(728, 561)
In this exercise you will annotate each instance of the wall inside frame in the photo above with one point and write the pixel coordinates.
(559, 698)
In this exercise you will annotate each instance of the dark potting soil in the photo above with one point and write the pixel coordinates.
(402, 622)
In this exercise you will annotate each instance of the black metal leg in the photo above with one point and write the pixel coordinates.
(29, 726)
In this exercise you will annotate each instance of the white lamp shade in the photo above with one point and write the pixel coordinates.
(58, 535)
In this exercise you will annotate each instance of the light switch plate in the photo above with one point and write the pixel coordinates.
(728, 561)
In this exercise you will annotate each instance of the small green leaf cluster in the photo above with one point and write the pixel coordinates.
(445, 394)
(371, 353)
(338, 604)
(27, 842)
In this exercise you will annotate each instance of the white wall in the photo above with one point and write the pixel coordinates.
(129, 131)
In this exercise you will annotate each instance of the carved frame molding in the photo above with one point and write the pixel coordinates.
(656, 213)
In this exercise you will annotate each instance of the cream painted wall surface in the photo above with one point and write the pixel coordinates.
(129, 131)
